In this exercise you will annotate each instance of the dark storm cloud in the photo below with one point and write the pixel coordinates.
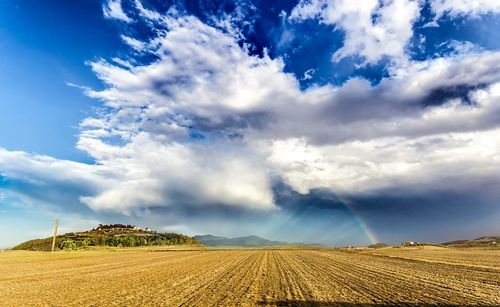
(167, 87)
(398, 106)
(436, 213)
(440, 95)
(416, 202)
(316, 199)
(232, 126)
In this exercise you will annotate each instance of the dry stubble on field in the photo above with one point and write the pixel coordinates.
(250, 277)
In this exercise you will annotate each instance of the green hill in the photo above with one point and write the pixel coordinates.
(487, 241)
(117, 235)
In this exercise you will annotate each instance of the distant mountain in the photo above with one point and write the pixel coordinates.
(211, 240)
(488, 241)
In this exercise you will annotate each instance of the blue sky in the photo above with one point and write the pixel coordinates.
(338, 122)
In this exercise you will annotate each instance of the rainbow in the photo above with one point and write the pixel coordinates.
(363, 226)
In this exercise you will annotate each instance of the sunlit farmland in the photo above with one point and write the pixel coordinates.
(281, 276)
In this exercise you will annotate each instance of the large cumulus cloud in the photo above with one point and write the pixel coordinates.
(373, 29)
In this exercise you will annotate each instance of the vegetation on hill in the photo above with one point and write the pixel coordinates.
(488, 241)
(378, 245)
(37, 244)
(117, 235)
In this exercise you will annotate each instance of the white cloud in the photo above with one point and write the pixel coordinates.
(413, 128)
(113, 9)
(150, 173)
(313, 138)
(137, 45)
(373, 29)
(432, 162)
(398, 106)
(146, 13)
(147, 173)
(308, 74)
(192, 74)
(444, 147)
(40, 169)
(472, 8)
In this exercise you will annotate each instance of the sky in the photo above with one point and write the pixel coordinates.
(337, 122)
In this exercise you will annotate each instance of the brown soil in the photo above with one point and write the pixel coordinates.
(284, 277)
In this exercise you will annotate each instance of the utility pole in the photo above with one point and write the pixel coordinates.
(56, 224)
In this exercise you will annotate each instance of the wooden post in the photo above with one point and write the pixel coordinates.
(56, 224)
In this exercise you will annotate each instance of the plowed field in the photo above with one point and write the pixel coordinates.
(285, 277)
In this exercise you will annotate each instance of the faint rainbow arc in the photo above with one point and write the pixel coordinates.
(367, 231)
